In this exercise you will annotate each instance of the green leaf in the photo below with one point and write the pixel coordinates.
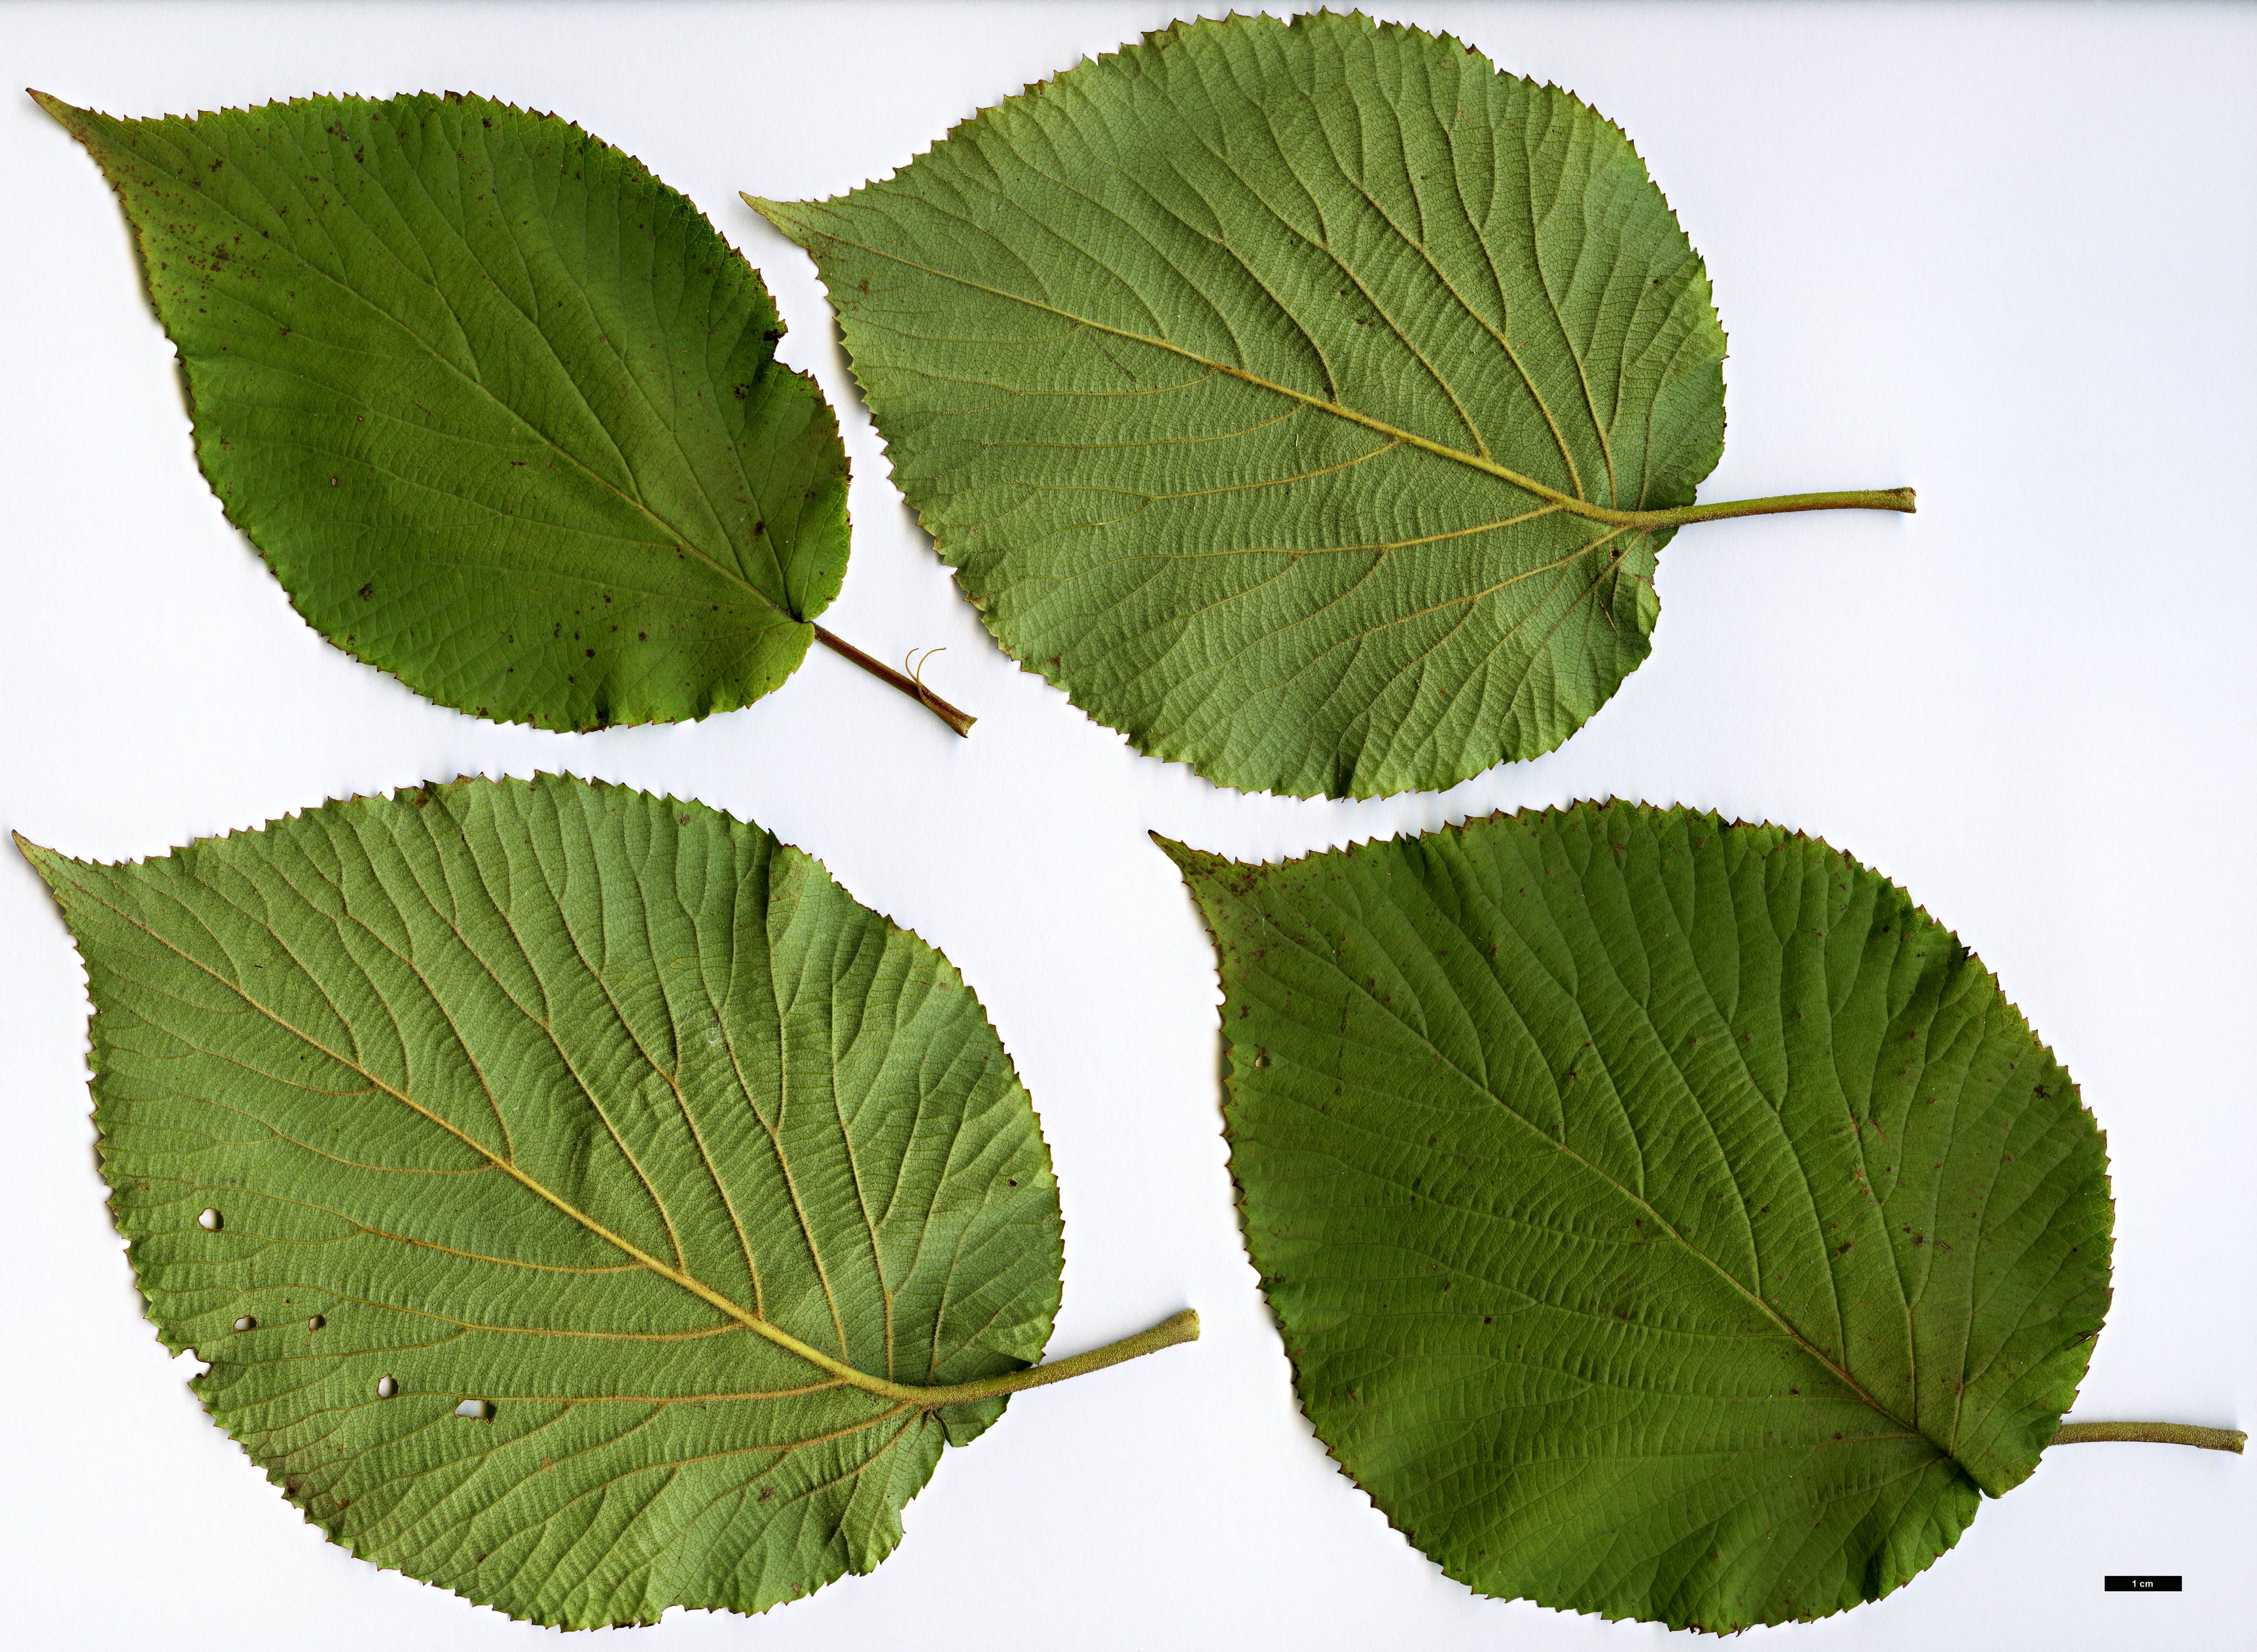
(583, 1203)
(1308, 401)
(501, 410)
(1666, 1217)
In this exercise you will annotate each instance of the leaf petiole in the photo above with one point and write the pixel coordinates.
(1183, 1327)
(1777, 505)
(2153, 1434)
(960, 721)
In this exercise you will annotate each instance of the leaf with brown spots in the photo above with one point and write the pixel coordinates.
(500, 409)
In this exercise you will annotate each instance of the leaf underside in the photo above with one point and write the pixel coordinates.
(1205, 363)
(1666, 1219)
(391, 1094)
(500, 408)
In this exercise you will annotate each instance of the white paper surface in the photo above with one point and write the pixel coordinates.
(2007, 256)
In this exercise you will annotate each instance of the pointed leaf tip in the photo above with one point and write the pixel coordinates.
(1258, 386)
(1193, 863)
(676, 1248)
(1143, 358)
(380, 412)
(1683, 1145)
(41, 858)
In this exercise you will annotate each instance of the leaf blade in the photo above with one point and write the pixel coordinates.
(500, 409)
(1178, 250)
(1666, 1219)
(480, 989)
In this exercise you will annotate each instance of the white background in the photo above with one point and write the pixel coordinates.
(2007, 256)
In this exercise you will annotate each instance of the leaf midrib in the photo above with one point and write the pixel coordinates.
(778, 214)
(1817, 1355)
(681, 1277)
(680, 541)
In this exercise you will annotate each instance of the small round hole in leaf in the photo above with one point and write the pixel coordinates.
(246, 1323)
(477, 1410)
(385, 1387)
(211, 1221)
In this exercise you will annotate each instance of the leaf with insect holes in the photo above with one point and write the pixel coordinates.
(583, 1203)
(500, 409)
(1308, 401)
(1666, 1217)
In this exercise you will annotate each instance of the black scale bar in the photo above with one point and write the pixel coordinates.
(2141, 1584)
